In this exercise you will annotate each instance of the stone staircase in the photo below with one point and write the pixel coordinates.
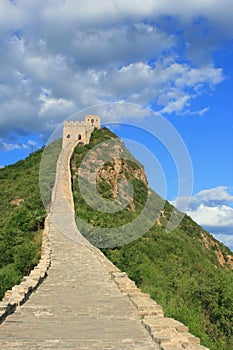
(84, 302)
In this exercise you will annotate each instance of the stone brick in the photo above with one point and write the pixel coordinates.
(85, 302)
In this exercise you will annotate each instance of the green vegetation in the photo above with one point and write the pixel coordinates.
(21, 220)
(22, 212)
(101, 219)
(187, 271)
(48, 164)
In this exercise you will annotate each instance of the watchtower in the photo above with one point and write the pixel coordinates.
(93, 121)
(80, 130)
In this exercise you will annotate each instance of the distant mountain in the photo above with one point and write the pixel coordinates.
(187, 271)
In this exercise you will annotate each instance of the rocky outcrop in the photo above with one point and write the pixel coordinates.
(166, 333)
(115, 172)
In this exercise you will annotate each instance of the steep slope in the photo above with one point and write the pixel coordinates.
(21, 220)
(22, 212)
(187, 271)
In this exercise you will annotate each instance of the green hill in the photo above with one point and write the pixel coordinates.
(22, 212)
(21, 220)
(187, 271)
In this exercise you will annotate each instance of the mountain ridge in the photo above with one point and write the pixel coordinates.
(190, 276)
(186, 271)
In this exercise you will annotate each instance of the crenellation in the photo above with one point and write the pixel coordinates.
(80, 130)
(74, 123)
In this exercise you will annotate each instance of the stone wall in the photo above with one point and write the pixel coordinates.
(79, 131)
(167, 333)
(20, 293)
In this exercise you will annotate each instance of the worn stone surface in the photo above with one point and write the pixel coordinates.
(85, 302)
(78, 306)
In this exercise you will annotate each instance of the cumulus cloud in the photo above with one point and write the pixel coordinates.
(226, 239)
(212, 209)
(70, 54)
(32, 145)
(218, 196)
(219, 216)
(108, 11)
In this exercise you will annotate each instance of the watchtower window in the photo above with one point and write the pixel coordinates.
(92, 121)
(68, 136)
(79, 137)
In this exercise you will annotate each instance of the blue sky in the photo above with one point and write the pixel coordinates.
(173, 58)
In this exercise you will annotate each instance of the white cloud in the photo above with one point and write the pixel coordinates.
(53, 106)
(177, 105)
(105, 11)
(212, 209)
(213, 216)
(18, 145)
(86, 53)
(123, 111)
(32, 143)
(199, 112)
(220, 195)
(70, 54)
(226, 239)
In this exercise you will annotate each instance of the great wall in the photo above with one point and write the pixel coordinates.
(75, 298)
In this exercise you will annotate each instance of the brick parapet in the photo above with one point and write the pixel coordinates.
(20, 293)
(167, 333)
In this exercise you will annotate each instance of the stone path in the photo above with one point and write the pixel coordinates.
(78, 306)
(85, 302)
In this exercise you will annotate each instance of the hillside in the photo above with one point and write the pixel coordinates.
(187, 271)
(21, 220)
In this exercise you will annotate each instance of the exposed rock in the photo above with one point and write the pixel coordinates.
(17, 201)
